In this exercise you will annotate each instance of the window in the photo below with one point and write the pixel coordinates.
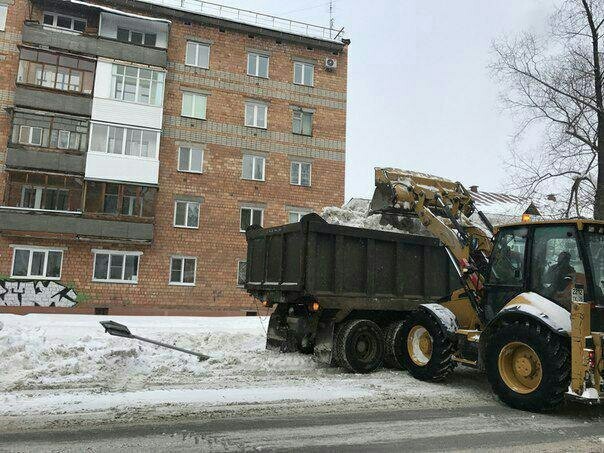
(30, 135)
(241, 272)
(52, 70)
(120, 199)
(556, 267)
(63, 140)
(3, 14)
(507, 262)
(50, 198)
(194, 105)
(120, 140)
(302, 122)
(257, 65)
(304, 73)
(190, 159)
(253, 167)
(136, 37)
(115, 266)
(65, 22)
(251, 216)
(36, 262)
(182, 270)
(197, 54)
(255, 114)
(295, 216)
(133, 84)
(300, 173)
(186, 214)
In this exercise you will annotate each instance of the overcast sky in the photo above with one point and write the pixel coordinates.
(420, 95)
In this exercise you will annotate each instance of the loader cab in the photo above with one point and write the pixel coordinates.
(553, 259)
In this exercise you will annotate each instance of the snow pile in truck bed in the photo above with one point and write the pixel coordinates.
(355, 213)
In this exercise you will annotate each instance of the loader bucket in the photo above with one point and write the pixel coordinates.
(396, 191)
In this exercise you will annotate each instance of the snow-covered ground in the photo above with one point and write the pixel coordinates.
(65, 364)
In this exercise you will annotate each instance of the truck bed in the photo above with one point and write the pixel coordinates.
(345, 266)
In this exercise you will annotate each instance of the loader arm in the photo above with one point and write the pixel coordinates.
(444, 208)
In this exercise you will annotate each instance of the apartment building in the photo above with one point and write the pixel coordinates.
(138, 141)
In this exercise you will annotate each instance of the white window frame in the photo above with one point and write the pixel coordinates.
(187, 202)
(299, 213)
(238, 264)
(196, 63)
(303, 81)
(55, 20)
(190, 148)
(254, 157)
(257, 57)
(160, 80)
(144, 37)
(291, 173)
(123, 150)
(59, 139)
(302, 113)
(30, 135)
(194, 95)
(32, 249)
(252, 209)
(253, 122)
(182, 270)
(3, 15)
(125, 253)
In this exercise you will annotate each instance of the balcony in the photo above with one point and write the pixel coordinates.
(41, 223)
(42, 99)
(45, 160)
(37, 34)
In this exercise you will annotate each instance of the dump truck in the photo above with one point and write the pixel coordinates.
(321, 277)
(528, 307)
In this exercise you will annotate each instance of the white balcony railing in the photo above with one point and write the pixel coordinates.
(253, 18)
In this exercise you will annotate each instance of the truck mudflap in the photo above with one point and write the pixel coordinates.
(324, 344)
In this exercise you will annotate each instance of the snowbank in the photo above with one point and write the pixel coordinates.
(73, 351)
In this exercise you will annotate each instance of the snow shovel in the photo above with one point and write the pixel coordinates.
(120, 330)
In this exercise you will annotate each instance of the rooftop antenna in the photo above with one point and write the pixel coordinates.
(331, 21)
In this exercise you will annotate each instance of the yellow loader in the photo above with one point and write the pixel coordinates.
(531, 308)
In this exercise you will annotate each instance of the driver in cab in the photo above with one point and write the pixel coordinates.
(559, 276)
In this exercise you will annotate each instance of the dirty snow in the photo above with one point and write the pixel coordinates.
(66, 364)
(355, 213)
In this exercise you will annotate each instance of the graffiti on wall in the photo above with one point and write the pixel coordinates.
(36, 293)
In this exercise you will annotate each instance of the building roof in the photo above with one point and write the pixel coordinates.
(503, 204)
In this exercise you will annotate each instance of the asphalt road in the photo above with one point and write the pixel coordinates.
(341, 428)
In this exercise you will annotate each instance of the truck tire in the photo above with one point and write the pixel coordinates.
(393, 346)
(528, 365)
(427, 353)
(360, 346)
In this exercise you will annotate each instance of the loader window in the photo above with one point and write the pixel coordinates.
(556, 267)
(508, 258)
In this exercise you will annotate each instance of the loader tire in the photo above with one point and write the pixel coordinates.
(528, 365)
(393, 351)
(360, 346)
(427, 353)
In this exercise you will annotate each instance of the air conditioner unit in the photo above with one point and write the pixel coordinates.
(331, 63)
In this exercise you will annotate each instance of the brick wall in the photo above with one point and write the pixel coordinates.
(217, 243)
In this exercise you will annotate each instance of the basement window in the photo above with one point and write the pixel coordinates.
(37, 262)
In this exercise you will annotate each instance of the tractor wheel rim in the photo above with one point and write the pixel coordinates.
(365, 347)
(419, 345)
(520, 367)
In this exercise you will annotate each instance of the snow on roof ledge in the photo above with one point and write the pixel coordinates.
(117, 11)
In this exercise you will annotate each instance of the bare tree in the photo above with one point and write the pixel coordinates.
(554, 83)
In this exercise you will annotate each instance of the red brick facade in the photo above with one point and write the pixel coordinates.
(217, 243)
